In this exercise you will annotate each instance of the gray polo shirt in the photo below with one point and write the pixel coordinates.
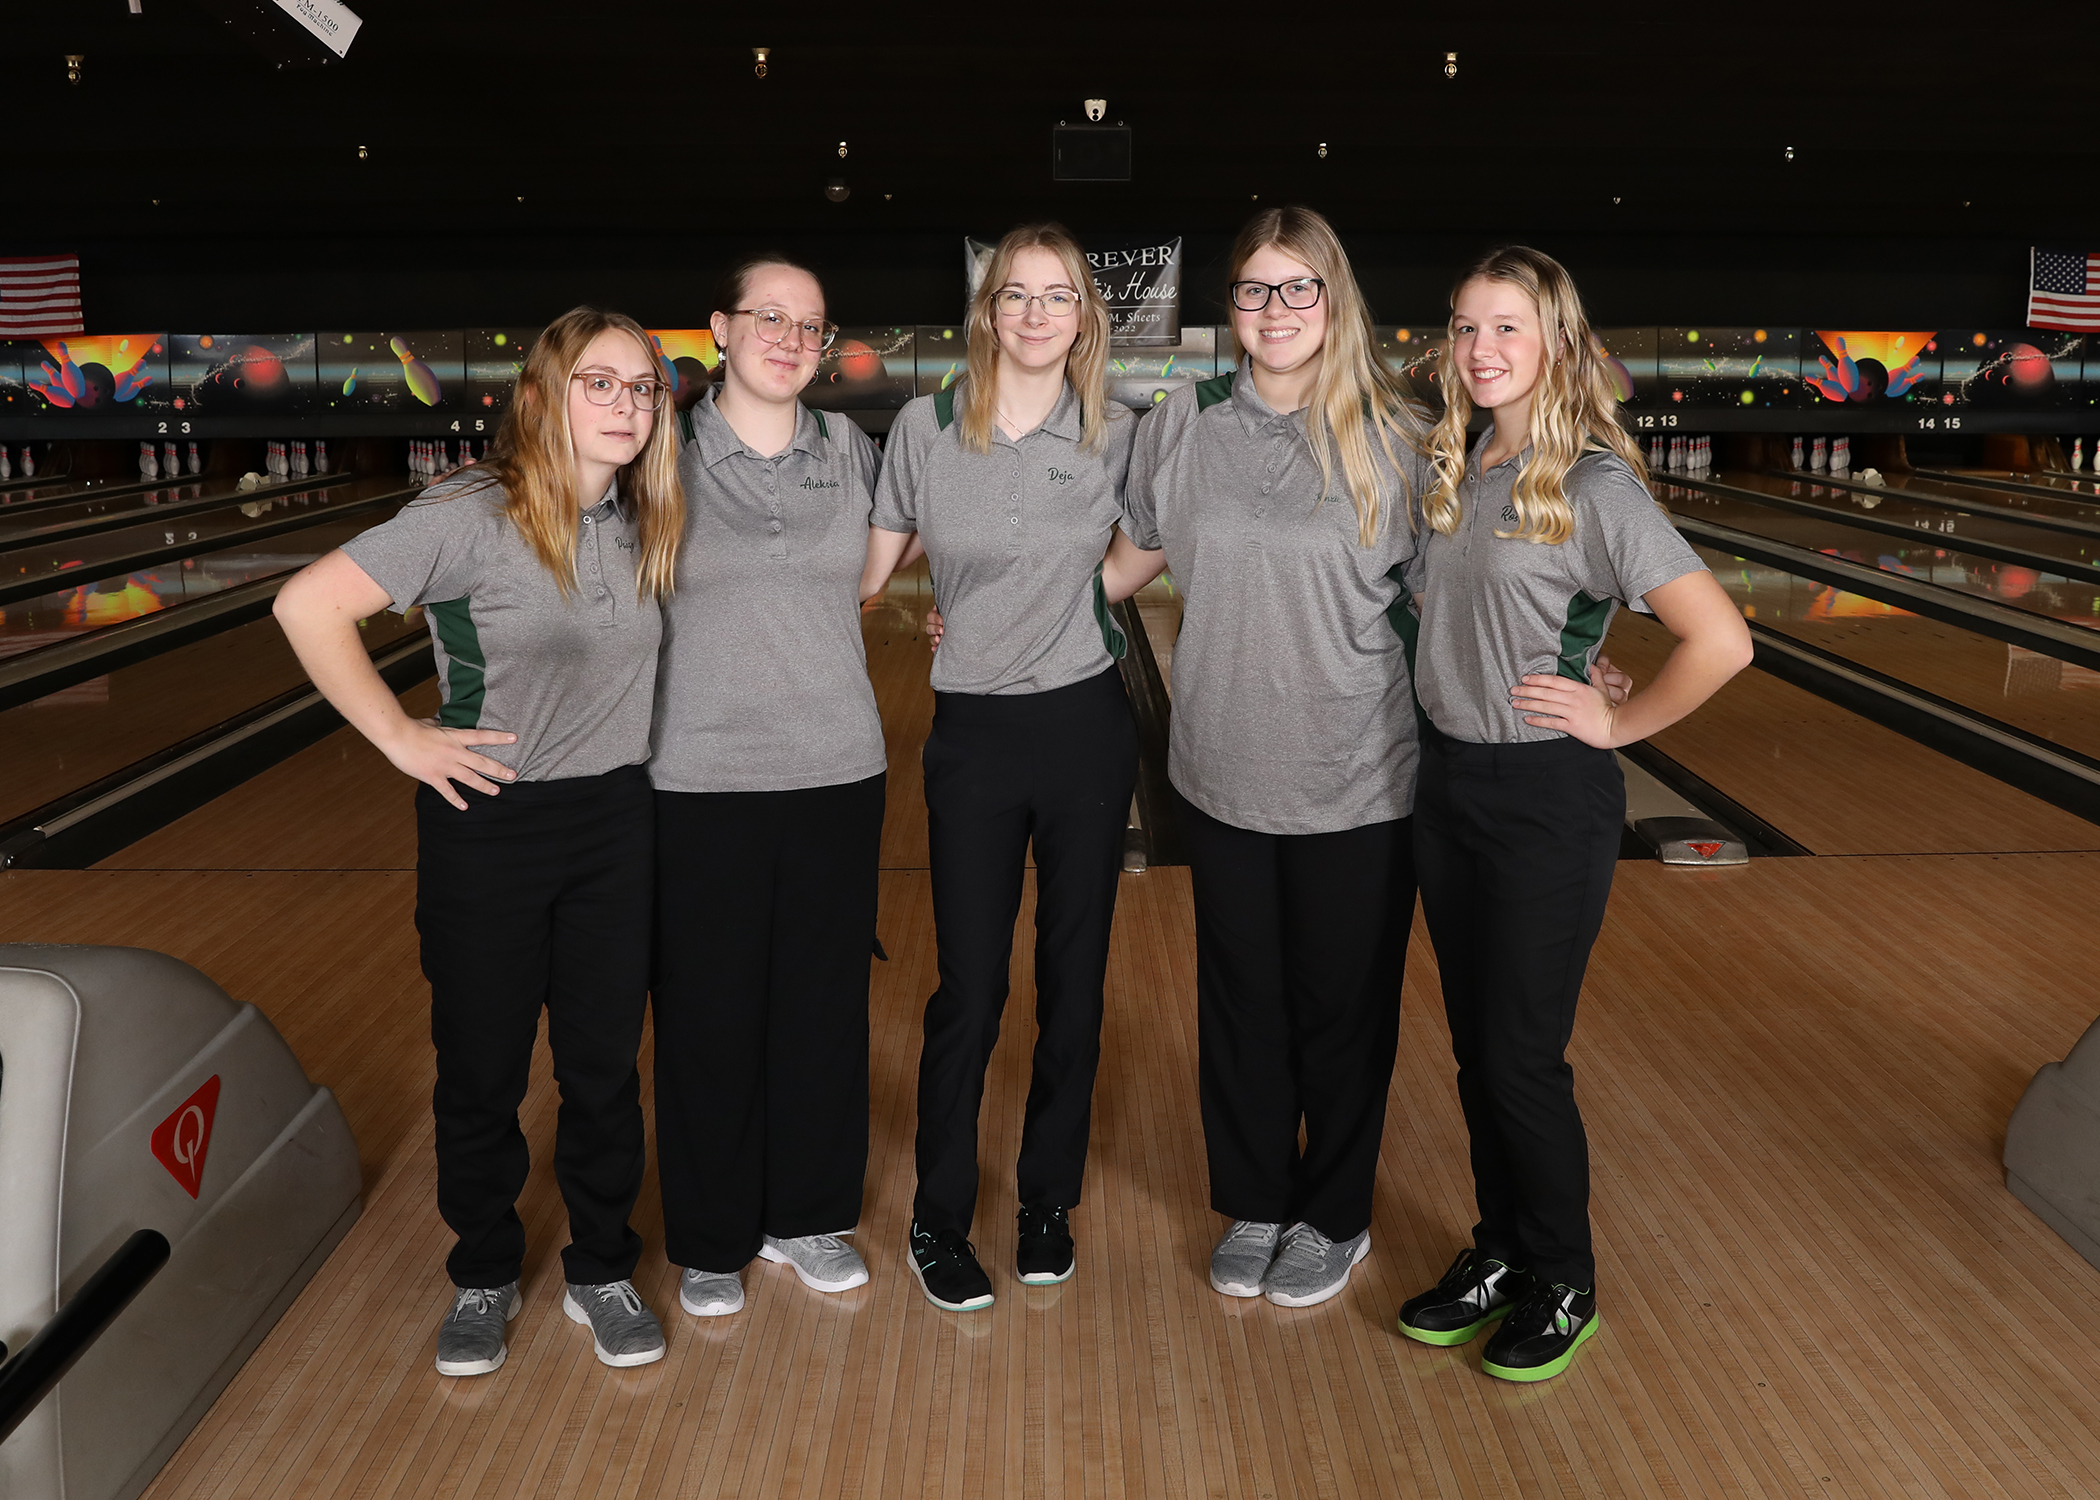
(763, 685)
(1495, 609)
(571, 678)
(1292, 708)
(1012, 538)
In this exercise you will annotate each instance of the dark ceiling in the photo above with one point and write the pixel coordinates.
(506, 135)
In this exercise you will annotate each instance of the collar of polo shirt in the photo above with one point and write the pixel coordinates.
(718, 440)
(1255, 414)
(1064, 420)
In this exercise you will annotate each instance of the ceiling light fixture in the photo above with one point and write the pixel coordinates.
(760, 54)
(1450, 64)
(73, 62)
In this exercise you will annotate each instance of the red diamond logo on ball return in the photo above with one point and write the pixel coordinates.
(180, 1141)
(1704, 850)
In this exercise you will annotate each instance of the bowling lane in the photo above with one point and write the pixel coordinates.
(2072, 486)
(35, 569)
(76, 736)
(2067, 538)
(1934, 557)
(2058, 700)
(77, 515)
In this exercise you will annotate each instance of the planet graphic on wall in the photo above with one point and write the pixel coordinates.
(857, 361)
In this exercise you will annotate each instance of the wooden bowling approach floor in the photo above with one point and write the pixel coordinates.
(1796, 1077)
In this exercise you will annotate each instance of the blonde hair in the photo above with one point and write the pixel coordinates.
(1574, 410)
(1354, 394)
(1086, 363)
(532, 458)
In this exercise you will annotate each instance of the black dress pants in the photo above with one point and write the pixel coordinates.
(765, 927)
(1516, 846)
(1301, 942)
(1002, 770)
(537, 897)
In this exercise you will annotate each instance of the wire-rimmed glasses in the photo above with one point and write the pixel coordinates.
(772, 325)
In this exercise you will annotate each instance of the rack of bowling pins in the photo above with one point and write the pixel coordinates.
(1680, 454)
(430, 458)
(20, 461)
(1823, 455)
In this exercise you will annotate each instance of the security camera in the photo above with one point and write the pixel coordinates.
(1095, 109)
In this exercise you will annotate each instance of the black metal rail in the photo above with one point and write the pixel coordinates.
(29, 1377)
(2064, 525)
(1948, 476)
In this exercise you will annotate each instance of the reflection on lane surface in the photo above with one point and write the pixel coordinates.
(92, 603)
(139, 503)
(2057, 700)
(1929, 558)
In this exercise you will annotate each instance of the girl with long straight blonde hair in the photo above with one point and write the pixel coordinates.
(1534, 539)
(1013, 481)
(1284, 495)
(541, 571)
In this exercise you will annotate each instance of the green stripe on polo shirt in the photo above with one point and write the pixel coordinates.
(1408, 626)
(1210, 392)
(1587, 618)
(1112, 637)
(944, 406)
(466, 669)
(823, 431)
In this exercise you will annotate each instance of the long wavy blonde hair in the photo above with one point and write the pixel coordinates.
(1355, 396)
(1574, 410)
(532, 459)
(1086, 364)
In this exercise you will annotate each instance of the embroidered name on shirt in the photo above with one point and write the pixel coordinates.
(820, 484)
(1509, 515)
(624, 543)
(1059, 476)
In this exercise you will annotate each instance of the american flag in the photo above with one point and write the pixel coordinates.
(39, 294)
(2063, 290)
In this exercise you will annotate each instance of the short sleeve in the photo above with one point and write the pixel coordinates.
(1626, 543)
(433, 549)
(1116, 445)
(897, 489)
(1156, 431)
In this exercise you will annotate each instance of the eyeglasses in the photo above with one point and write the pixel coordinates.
(604, 390)
(772, 326)
(1298, 295)
(1012, 302)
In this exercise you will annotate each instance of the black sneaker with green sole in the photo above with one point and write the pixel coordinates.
(1539, 1338)
(1476, 1291)
(946, 1265)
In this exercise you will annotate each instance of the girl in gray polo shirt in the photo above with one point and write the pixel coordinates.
(540, 570)
(1534, 540)
(1013, 481)
(1281, 494)
(768, 769)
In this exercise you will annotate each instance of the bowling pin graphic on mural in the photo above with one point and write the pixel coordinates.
(422, 384)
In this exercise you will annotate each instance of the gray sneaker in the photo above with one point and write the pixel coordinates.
(622, 1328)
(825, 1262)
(470, 1340)
(1310, 1267)
(711, 1294)
(1242, 1258)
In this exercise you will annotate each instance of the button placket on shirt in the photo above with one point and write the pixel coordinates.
(592, 558)
(776, 529)
(1013, 519)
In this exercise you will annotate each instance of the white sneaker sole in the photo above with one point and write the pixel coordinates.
(711, 1309)
(1045, 1278)
(857, 1278)
(457, 1367)
(1314, 1299)
(617, 1361)
(976, 1304)
(1233, 1288)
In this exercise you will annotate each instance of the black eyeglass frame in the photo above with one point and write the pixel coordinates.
(831, 329)
(1275, 289)
(656, 382)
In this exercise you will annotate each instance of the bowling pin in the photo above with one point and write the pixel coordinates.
(7, 463)
(28, 461)
(149, 465)
(170, 464)
(196, 463)
(1797, 453)
(320, 455)
(1818, 457)
(2077, 454)
(1841, 456)
(299, 463)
